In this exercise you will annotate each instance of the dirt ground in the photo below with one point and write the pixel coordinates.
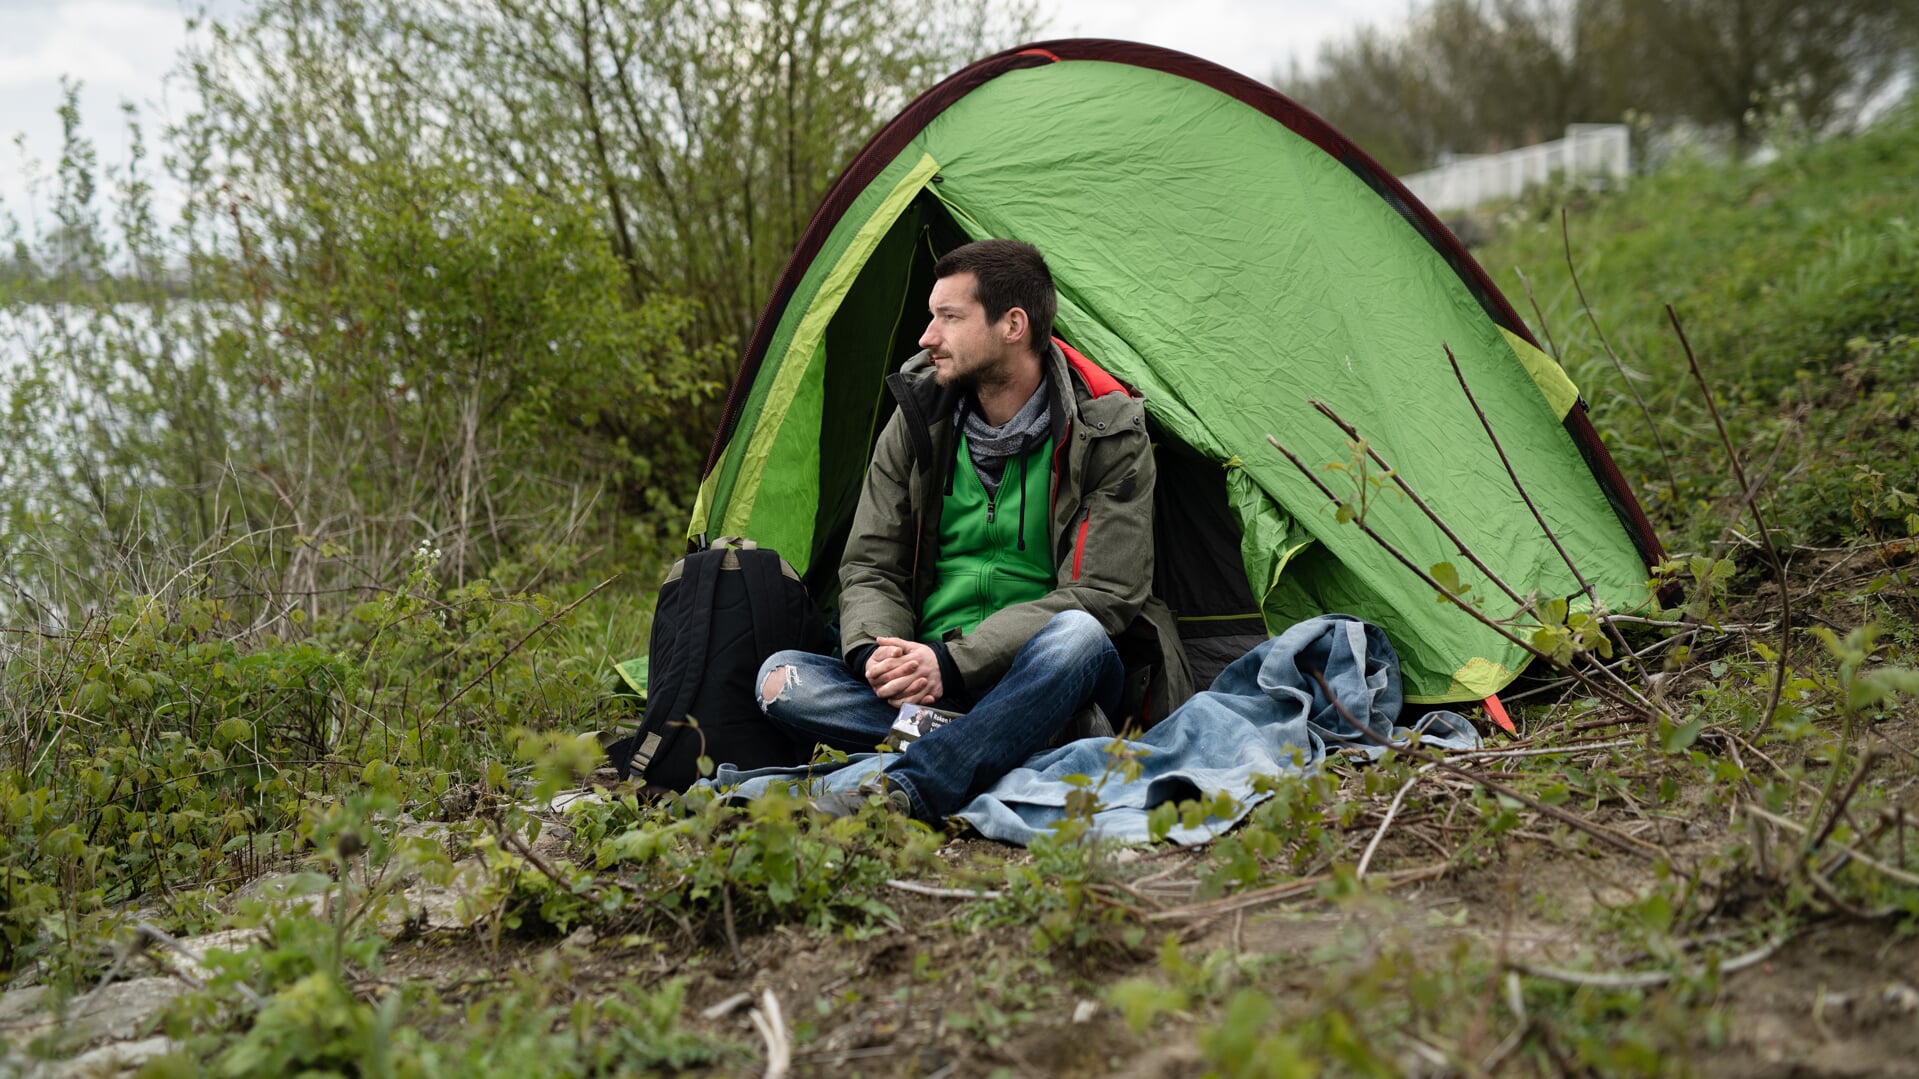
(1836, 999)
(946, 994)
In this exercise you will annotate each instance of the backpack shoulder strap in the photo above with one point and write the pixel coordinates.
(765, 590)
(693, 613)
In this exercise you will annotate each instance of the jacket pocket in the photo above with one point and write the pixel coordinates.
(1079, 544)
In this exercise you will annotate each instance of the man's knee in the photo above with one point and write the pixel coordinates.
(771, 688)
(779, 677)
(1074, 629)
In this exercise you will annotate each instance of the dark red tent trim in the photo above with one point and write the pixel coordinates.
(892, 139)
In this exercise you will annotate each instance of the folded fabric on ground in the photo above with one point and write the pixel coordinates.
(1265, 715)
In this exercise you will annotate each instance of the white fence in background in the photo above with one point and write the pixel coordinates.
(1588, 150)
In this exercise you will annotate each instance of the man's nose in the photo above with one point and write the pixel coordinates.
(929, 338)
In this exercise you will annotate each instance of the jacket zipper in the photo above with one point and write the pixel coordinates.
(1079, 545)
(1052, 496)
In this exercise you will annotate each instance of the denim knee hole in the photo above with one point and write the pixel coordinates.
(789, 677)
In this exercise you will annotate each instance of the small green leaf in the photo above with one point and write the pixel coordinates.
(1159, 822)
(1684, 735)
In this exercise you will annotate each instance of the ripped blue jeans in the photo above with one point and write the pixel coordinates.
(1066, 665)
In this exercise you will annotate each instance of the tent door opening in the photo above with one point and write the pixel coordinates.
(1198, 571)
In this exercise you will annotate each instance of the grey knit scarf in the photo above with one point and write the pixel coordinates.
(993, 446)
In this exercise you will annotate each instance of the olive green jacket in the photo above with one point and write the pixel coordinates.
(1102, 528)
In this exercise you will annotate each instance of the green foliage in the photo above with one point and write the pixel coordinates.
(1858, 688)
(164, 746)
(1367, 482)
(1564, 632)
(316, 1026)
(1066, 894)
(1012, 994)
(703, 862)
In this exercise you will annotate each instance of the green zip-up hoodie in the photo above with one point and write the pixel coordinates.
(1100, 526)
(985, 562)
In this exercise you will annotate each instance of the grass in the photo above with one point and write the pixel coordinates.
(1661, 876)
(1794, 281)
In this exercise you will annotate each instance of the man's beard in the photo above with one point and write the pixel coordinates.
(950, 375)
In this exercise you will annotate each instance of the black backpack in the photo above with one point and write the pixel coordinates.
(721, 612)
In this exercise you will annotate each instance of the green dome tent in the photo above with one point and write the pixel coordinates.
(1230, 256)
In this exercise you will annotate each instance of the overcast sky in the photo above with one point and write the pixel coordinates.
(121, 51)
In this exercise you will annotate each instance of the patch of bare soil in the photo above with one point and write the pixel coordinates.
(925, 999)
(1840, 1001)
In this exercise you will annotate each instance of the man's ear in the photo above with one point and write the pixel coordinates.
(1018, 327)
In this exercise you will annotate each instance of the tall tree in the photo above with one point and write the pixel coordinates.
(1730, 63)
(708, 130)
(1470, 76)
(1479, 75)
(387, 170)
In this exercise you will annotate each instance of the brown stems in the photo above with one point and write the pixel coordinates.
(1572, 820)
(1413, 496)
(1751, 499)
(1665, 457)
(1539, 314)
(1866, 760)
(1625, 696)
(1552, 537)
(517, 645)
(1400, 556)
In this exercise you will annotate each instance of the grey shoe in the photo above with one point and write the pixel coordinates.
(836, 804)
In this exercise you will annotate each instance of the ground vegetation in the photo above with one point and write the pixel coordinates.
(312, 586)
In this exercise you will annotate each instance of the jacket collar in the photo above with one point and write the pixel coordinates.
(931, 403)
(925, 404)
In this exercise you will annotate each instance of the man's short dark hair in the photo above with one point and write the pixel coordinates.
(1008, 274)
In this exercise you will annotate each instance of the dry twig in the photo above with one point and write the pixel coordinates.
(1391, 811)
(1645, 978)
(772, 1027)
(1866, 761)
(941, 893)
(1665, 457)
(1288, 890)
(1750, 496)
(1900, 875)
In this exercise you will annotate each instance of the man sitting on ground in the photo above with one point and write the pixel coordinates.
(1003, 537)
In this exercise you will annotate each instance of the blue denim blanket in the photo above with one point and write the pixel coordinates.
(1264, 715)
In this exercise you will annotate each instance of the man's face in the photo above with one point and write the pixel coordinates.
(966, 349)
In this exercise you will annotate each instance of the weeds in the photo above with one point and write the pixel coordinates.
(307, 722)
